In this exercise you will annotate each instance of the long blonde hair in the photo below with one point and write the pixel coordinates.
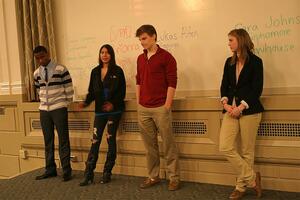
(245, 44)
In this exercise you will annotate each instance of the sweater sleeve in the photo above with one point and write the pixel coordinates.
(171, 71)
(257, 84)
(225, 82)
(119, 96)
(91, 95)
(36, 82)
(138, 78)
(68, 85)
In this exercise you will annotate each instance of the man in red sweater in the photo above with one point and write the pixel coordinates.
(156, 82)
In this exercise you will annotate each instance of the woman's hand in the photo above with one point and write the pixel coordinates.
(80, 106)
(107, 106)
(235, 113)
(228, 108)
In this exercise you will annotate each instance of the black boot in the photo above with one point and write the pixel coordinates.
(106, 178)
(91, 164)
(88, 175)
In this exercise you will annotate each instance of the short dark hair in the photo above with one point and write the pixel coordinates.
(146, 28)
(39, 49)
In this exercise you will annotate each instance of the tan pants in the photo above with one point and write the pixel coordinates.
(150, 121)
(242, 159)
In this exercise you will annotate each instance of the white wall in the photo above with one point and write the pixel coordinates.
(194, 31)
(10, 66)
(75, 21)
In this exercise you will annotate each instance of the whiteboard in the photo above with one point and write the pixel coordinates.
(194, 31)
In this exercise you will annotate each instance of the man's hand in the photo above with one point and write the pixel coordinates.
(167, 106)
(170, 96)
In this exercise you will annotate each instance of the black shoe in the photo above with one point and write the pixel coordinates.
(87, 179)
(67, 177)
(46, 175)
(106, 178)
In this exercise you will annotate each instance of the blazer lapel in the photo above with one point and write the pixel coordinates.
(98, 78)
(242, 73)
(232, 73)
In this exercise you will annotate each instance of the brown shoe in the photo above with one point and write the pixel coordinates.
(174, 185)
(236, 195)
(149, 182)
(257, 187)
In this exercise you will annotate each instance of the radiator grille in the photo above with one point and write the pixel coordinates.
(181, 127)
(74, 125)
(278, 129)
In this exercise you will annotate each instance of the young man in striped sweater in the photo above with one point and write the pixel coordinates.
(54, 86)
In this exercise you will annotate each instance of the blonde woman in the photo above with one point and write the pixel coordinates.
(241, 88)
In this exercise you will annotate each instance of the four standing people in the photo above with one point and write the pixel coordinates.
(156, 81)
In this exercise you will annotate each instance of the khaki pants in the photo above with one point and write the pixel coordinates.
(150, 120)
(243, 159)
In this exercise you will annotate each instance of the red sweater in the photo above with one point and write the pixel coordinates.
(155, 76)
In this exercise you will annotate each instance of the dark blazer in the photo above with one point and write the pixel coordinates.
(249, 86)
(115, 85)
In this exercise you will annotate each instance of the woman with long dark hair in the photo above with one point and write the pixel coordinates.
(107, 88)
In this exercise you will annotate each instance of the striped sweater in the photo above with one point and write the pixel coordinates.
(58, 91)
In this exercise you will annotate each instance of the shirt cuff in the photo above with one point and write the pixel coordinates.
(245, 104)
(173, 85)
(223, 98)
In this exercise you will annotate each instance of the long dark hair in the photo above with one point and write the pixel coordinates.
(111, 52)
(245, 43)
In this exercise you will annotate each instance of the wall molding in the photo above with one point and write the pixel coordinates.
(4, 88)
(17, 87)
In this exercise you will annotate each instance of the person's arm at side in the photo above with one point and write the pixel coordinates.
(68, 85)
(224, 89)
(36, 83)
(89, 97)
(138, 82)
(257, 87)
(255, 93)
(171, 71)
(137, 93)
(170, 97)
(119, 95)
